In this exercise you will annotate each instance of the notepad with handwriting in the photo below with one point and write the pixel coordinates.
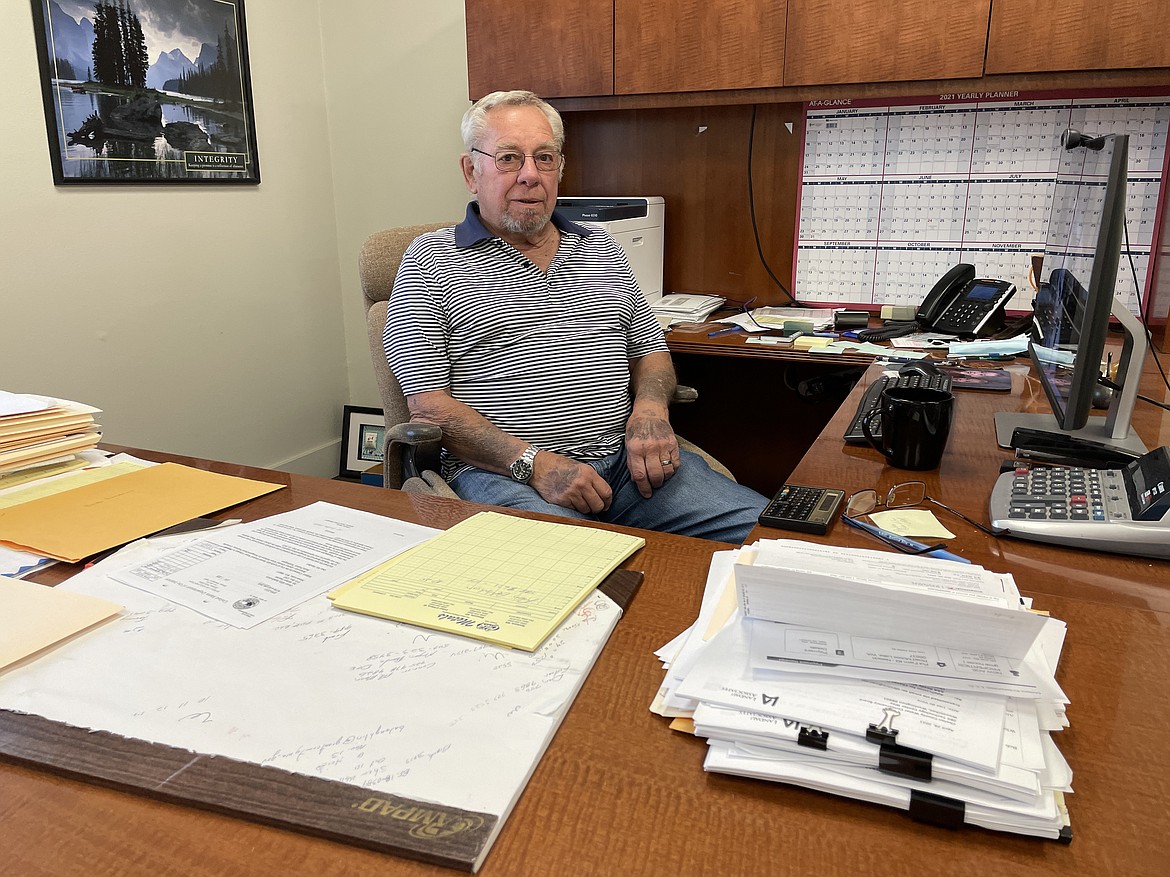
(493, 577)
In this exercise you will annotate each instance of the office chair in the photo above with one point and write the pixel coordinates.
(410, 460)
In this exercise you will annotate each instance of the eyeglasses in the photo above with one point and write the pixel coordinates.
(509, 161)
(904, 495)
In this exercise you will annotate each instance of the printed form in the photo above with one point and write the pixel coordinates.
(494, 577)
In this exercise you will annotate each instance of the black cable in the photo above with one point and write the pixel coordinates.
(752, 206)
(1116, 388)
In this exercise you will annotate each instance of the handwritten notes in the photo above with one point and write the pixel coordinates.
(317, 691)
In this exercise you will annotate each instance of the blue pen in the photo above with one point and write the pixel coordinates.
(726, 331)
(887, 536)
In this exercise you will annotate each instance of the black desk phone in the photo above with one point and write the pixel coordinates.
(962, 304)
(959, 304)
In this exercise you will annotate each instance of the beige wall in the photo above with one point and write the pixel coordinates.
(217, 321)
(396, 75)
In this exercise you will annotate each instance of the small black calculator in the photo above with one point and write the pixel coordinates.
(807, 509)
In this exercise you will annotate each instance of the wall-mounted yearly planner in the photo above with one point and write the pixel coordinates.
(895, 192)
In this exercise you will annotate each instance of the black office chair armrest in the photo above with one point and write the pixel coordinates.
(418, 443)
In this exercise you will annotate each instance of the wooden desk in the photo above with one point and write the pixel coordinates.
(617, 793)
(759, 406)
(964, 481)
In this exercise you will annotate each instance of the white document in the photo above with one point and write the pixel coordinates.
(13, 404)
(782, 736)
(790, 648)
(963, 726)
(717, 608)
(886, 596)
(250, 573)
(1043, 818)
(319, 691)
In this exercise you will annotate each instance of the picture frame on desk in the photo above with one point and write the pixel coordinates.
(363, 436)
(125, 105)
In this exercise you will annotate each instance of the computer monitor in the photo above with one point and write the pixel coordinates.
(1075, 300)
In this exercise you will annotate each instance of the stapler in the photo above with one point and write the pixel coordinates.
(1061, 449)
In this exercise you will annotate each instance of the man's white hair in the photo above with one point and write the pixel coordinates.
(475, 119)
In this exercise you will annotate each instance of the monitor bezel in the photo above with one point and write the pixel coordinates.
(1072, 407)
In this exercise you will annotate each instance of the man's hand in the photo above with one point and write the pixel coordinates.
(651, 448)
(567, 483)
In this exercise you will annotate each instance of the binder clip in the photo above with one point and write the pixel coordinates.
(904, 761)
(936, 809)
(813, 739)
(881, 734)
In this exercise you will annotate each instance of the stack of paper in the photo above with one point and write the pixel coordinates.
(686, 307)
(39, 431)
(917, 683)
(775, 318)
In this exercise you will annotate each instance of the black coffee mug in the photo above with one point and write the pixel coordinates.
(916, 423)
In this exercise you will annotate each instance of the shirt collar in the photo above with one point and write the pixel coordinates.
(471, 230)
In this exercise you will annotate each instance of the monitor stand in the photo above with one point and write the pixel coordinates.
(1114, 428)
(1094, 431)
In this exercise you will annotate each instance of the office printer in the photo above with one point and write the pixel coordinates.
(635, 223)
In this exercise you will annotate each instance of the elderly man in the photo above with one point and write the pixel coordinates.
(525, 337)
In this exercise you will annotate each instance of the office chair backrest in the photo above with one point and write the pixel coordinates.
(378, 263)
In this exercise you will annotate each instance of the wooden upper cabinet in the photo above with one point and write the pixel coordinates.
(842, 41)
(697, 45)
(562, 49)
(1059, 35)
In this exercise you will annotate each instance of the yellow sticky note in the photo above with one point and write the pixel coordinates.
(79, 523)
(912, 522)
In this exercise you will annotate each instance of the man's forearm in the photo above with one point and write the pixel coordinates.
(652, 379)
(466, 433)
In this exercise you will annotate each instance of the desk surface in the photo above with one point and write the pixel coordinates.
(736, 345)
(618, 793)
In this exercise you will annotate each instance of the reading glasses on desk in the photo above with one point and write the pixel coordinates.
(904, 495)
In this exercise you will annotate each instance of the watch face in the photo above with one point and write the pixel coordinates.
(522, 470)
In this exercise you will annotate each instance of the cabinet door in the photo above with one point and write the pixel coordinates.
(1053, 35)
(697, 45)
(839, 41)
(562, 49)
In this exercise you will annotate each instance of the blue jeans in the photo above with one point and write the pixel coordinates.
(696, 501)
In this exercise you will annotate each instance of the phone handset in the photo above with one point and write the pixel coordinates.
(959, 304)
(949, 287)
(969, 306)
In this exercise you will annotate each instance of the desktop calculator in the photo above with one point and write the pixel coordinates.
(1116, 510)
(806, 509)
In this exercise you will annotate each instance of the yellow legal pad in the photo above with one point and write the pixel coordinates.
(494, 577)
(79, 523)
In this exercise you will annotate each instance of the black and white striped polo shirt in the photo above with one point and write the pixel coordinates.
(544, 357)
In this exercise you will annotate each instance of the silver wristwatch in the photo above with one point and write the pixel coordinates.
(522, 469)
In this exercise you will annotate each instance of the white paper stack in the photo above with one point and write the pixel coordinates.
(685, 307)
(917, 683)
